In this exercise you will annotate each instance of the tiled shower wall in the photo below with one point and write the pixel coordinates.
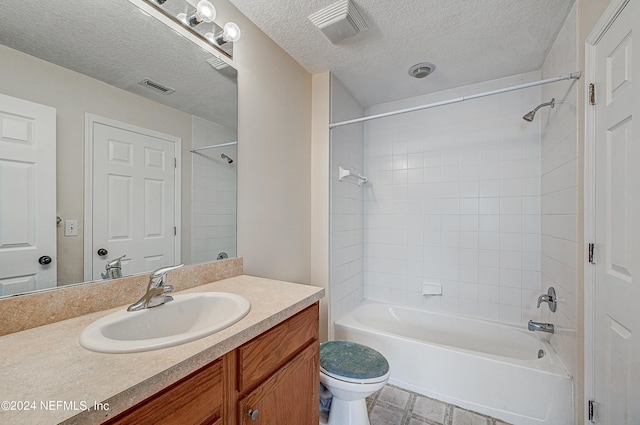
(454, 198)
(214, 193)
(347, 205)
(560, 193)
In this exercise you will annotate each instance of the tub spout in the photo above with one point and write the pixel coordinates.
(543, 327)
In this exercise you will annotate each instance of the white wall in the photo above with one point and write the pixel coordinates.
(214, 181)
(320, 193)
(454, 198)
(274, 151)
(560, 172)
(347, 205)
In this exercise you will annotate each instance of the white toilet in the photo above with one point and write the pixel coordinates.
(351, 372)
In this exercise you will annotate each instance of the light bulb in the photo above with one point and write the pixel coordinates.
(230, 33)
(205, 11)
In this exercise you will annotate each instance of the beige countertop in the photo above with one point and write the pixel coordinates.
(49, 378)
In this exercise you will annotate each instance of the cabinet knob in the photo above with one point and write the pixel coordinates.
(102, 252)
(253, 414)
(44, 260)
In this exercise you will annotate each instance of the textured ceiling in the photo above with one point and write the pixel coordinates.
(469, 41)
(116, 43)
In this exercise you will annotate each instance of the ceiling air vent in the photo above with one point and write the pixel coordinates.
(217, 63)
(156, 86)
(339, 21)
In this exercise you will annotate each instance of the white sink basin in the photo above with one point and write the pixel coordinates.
(185, 319)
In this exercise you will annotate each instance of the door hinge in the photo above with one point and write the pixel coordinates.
(175, 162)
(592, 94)
(591, 253)
(590, 411)
(175, 230)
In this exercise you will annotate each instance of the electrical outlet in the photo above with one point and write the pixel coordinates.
(71, 227)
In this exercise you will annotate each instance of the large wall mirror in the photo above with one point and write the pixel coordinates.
(118, 137)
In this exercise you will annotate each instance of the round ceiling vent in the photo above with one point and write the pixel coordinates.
(421, 70)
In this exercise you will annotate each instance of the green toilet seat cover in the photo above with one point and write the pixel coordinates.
(352, 360)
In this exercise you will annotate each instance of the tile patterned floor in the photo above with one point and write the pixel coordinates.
(395, 406)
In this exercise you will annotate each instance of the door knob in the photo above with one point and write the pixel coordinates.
(44, 260)
(253, 414)
(102, 252)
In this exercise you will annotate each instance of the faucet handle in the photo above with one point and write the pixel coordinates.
(549, 298)
(164, 270)
(543, 298)
(157, 277)
(115, 263)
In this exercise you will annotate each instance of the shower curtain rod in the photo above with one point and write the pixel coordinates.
(214, 146)
(572, 76)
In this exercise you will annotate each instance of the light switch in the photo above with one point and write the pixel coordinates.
(71, 227)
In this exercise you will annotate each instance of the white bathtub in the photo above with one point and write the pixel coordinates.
(484, 366)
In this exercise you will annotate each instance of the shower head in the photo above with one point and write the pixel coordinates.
(229, 160)
(531, 114)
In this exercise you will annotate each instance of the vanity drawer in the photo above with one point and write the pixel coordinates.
(196, 399)
(263, 355)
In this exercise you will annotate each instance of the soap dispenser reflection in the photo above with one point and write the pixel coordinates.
(114, 268)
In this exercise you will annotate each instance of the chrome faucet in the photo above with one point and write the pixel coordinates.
(113, 268)
(549, 298)
(542, 327)
(156, 290)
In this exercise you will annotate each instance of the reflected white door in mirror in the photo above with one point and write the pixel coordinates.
(132, 197)
(27, 196)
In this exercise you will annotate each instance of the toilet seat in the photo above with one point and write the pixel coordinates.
(352, 362)
(382, 378)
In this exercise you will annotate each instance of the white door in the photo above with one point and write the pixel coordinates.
(617, 222)
(134, 198)
(27, 196)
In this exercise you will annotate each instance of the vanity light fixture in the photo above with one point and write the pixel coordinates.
(200, 22)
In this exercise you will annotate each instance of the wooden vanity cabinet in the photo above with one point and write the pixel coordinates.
(289, 396)
(271, 380)
(279, 376)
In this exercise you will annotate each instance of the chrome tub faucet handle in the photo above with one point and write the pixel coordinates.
(549, 298)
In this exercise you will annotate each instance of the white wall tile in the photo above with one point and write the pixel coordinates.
(469, 240)
(468, 205)
(489, 188)
(213, 217)
(347, 258)
(489, 205)
(559, 207)
(510, 296)
(489, 240)
(448, 201)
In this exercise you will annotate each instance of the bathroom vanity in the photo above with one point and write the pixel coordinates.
(263, 369)
(272, 379)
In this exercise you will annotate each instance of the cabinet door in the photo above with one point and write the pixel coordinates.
(262, 356)
(195, 400)
(289, 396)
